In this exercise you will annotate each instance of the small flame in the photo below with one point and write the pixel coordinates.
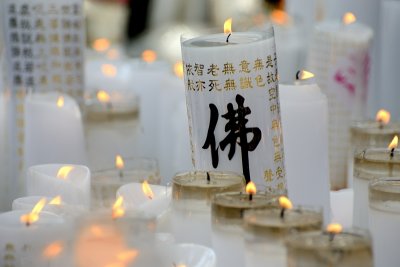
(228, 26)
(56, 201)
(33, 216)
(101, 44)
(285, 203)
(103, 96)
(64, 171)
(60, 101)
(53, 250)
(117, 209)
(149, 56)
(251, 188)
(119, 162)
(178, 69)
(279, 17)
(109, 70)
(334, 228)
(349, 18)
(383, 116)
(304, 75)
(393, 144)
(147, 190)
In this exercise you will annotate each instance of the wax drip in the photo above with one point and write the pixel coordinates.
(227, 38)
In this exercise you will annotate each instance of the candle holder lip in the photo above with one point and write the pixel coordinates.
(11, 219)
(80, 172)
(372, 127)
(384, 194)
(132, 164)
(373, 163)
(344, 31)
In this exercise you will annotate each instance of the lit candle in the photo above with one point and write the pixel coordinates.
(305, 123)
(331, 248)
(384, 218)
(370, 164)
(339, 57)
(71, 182)
(231, 83)
(267, 229)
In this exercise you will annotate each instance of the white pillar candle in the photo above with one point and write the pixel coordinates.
(342, 206)
(53, 130)
(339, 57)
(305, 125)
(384, 219)
(71, 182)
(233, 105)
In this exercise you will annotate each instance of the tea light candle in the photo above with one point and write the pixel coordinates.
(227, 217)
(71, 182)
(368, 165)
(191, 197)
(350, 248)
(384, 218)
(266, 230)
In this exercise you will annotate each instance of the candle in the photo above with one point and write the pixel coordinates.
(71, 182)
(384, 216)
(53, 130)
(305, 124)
(266, 231)
(339, 58)
(186, 255)
(227, 217)
(333, 248)
(231, 91)
(105, 182)
(368, 165)
(4, 169)
(191, 197)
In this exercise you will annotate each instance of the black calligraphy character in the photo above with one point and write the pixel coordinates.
(210, 140)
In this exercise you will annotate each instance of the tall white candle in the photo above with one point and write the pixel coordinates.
(53, 130)
(305, 125)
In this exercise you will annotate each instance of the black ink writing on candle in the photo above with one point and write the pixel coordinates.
(236, 134)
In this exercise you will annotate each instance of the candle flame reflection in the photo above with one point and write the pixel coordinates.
(178, 69)
(60, 101)
(56, 201)
(394, 143)
(117, 209)
(334, 228)
(251, 188)
(280, 17)
(383, 116)
(119, 162)
(149, 56)
(285, 203)
(64, 171)
(228, 26)
(101, 44)
(109, 70)
(349, 18)
(53, 250)
(147, 190)
(33, 216)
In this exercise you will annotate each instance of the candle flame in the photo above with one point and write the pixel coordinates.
(119, 162)
(64, 171)
(109, 70)
(53, 250)
(103, 96)
(334, 228)
(117, 209)
(149, 56)
(147, 190)
(285, 203)
(56, 201)
(304, 75)
(101, 44)
(349, 18)
(251, 188)
(394, 143)
(279, 17)
(178, 69)
(228, 26)
(127, 255)
(383, 116)
(33, 216)
(60, 101)
(96, 231)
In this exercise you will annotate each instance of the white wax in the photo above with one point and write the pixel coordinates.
(75, 189)
(342, 207)
(305, 132)
(3, 154)
(384, 228)
(52, 133)
(266, 254)
(228, 245)
(360, 210)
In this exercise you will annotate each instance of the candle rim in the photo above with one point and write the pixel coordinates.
(373, 127)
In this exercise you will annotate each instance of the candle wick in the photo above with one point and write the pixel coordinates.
(331, 236)
(121, 174)
(392, 153)
(208, 178)
(283, 213)
(298, 75)
(250, 197)
(227, 38)
(380, 124)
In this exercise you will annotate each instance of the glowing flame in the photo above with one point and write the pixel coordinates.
(147, 190)
(178, 69)
(334, 228)
(96, 231)
(101, 44)
(251, 188)
(127, 256)
(60, 101)
(33, 216)
(56, 201)
(383, 116)
(119, 162)
(349, 18)
(304, 75)
(285, 203)
(109, 70)
(393, 144)
(53, 250)
(149, 56)
(279, 17)
(64, 171)
(228, 26)
(117, 209)
(103, 96)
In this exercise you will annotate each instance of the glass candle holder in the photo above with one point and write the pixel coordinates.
(266, 231)
(351, 248)
(191, 198)
(368, 165)
(384, 216)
